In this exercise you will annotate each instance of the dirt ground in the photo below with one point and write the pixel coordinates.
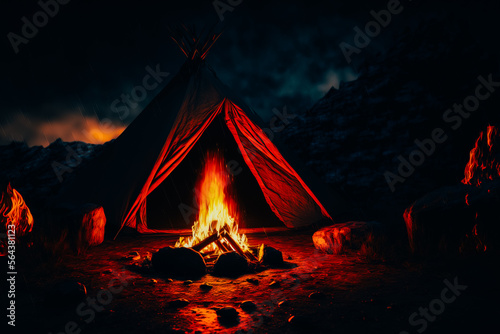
(356, 295)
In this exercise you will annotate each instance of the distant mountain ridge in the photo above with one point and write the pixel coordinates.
(354, 135)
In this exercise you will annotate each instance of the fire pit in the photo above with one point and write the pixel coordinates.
(216, 230)
(215, 235)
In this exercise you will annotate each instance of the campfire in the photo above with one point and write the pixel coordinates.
(216, 229)
(483, 164)
(15, 217)
(14, 211)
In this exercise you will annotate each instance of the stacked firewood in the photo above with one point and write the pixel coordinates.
(225, 243)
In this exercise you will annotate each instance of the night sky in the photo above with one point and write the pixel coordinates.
(63, 82)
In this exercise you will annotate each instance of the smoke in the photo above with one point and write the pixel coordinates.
(71, 126)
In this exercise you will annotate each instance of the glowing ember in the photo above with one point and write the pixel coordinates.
(217, 209)
(14, 211)
(483, 164)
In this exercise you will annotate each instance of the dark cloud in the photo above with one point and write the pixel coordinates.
(272, 53)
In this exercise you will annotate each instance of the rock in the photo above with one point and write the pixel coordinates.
(228, 315)
(284, 303)
(350, 236)
(271, 256)
(178, 303)
(317, 295)
(135, 256)
(254, 281)
(75, 227)
(67, 293)
(136, 267)
(248, 306)
(455, 219)
(300, 321)
(230, 265)
(274, 284)
(188, 282)
(206, 287)
(107, 271)
(90, 221)
(179, 262)
(153, 281)
(169, 280)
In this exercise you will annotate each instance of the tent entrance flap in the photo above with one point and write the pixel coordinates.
(186, 131)
(285, 192)
(173, 204)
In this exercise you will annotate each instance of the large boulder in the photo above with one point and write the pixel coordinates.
(87, 222)
(271, 256)
(179, 262)
(228, 316)
(344, 237)
(73, 227)
(455, 219)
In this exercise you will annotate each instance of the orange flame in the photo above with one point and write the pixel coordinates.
(217, 209)
(14, 211)
(482, 164)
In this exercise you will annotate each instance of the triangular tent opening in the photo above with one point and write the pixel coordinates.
(173, 204)
(132, 167)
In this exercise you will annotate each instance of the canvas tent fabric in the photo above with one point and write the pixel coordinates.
(154, 144)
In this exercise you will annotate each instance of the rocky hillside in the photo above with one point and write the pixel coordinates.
(38, 172)
(353, 136)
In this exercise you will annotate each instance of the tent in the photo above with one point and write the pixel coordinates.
(156, 142)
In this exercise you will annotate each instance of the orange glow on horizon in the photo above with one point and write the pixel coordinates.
(71, 127)
(97, 135)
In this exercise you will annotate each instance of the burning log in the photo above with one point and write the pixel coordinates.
(222, 246)
(233, 244)
(205, 242)
(251, 256)
(210, 258)
(217, 211)
(217, 238)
